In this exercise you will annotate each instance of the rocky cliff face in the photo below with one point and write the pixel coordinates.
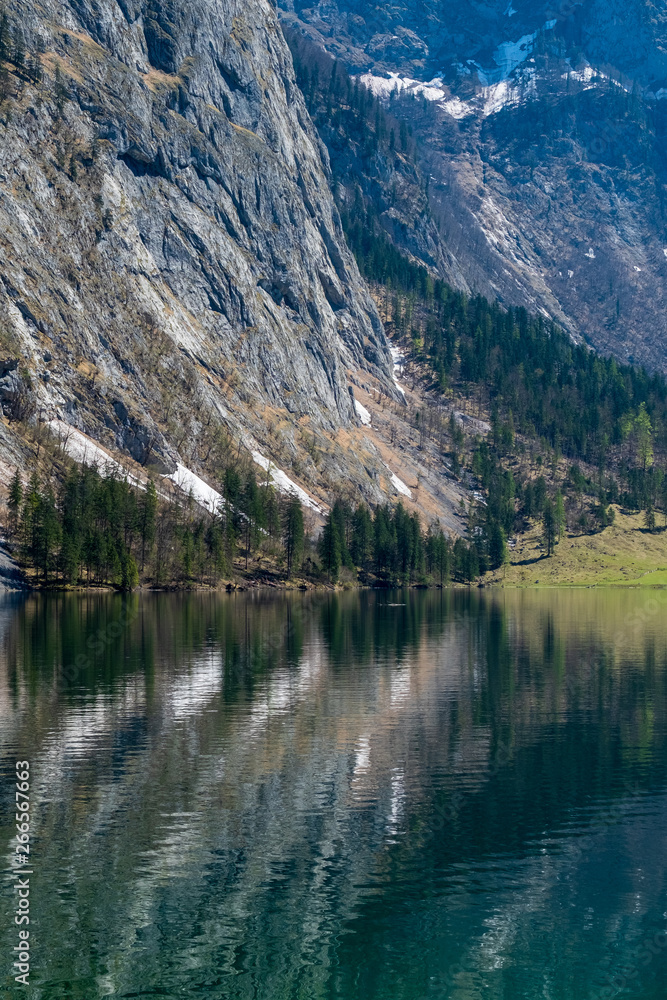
(173, 270)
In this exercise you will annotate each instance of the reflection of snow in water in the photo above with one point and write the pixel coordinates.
(192, 692)
(282, 693)
(397, 799)
(400, 686)
(363, 756)
(90, 725)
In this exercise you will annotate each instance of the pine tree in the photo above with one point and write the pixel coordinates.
(5, 36)
(14, 501)
(272, 514)
(71, 527)
(34, 68)
(293, 534)
(384, 540)
(644, 435)
(559, 515)
(61, 91)
(329, 548)
(129, 572)
(342, 515)
(649, 516)
(539, 495)
(28, 529)
(549, 531)
(361, 546)
(18, 48)
(48, 533)
(497, 546)
(215, 543)
(252, 507)
(438, 555)
(148, 506)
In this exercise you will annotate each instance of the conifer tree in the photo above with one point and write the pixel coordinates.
(362, 537)
(549, 532)
(293, 534)
(14, 501)
(559, 515)
(129, 572)
(271, 513)
(497, 546)
(5, 36)
(148, 506)
(28, 527)
(644, 434)
(438, 553)
(18, 48)
(329, 548)
(649, 515)
(47, 533)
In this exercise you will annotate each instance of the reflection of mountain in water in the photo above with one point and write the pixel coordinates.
(329, 796)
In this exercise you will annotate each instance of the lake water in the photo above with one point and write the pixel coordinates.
(402, 796)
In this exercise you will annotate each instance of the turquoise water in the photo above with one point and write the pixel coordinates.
(414, 795)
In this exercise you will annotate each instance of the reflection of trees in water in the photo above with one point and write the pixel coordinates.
(269, 772)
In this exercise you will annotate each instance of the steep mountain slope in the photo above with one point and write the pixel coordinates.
(547, 176)
(373, 160)
(174, 276)
(558, 203)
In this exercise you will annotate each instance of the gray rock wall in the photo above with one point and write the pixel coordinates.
(170, 253)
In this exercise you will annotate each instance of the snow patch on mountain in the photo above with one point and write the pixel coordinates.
(501, 95)
(400, 486)
(284, 484)
(457, 108)
(85, 451)
(383, 87)
(510, 55)
(192, 485)
(362, 413)
(399, 364)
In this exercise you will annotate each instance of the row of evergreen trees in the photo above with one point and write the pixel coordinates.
(390, 546)
(101, 529)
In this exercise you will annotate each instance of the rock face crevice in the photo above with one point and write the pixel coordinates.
(168, 231)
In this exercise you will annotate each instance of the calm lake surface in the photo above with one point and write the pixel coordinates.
(408, 795)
